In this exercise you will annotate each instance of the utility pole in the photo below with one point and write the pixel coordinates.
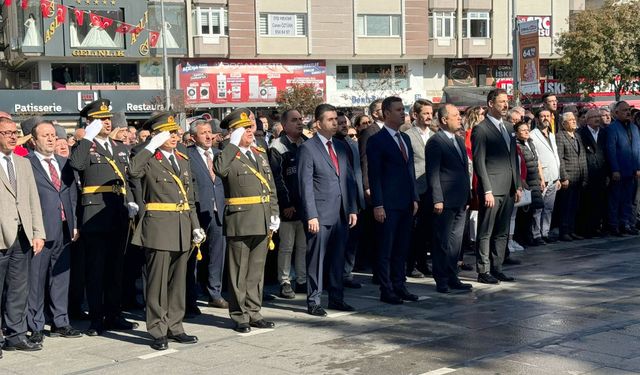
(515, 53)
(165, 60)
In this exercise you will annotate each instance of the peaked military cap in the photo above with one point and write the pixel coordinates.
(239, 118)
(97, 109)
(161, 121)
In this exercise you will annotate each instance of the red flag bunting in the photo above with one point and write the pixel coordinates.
(7, 3)
(24, 4)
(106, 22)
(137, 30)
(123, 28)
(79, 16)
(95, 20)
(61, 13)
(45, 8)
(153, 38)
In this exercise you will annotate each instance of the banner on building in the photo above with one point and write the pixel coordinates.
(230, 82)
(544, 24)
(529, 57)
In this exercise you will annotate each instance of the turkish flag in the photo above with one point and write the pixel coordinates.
(153, 38)
(137, 30)
(7, 3)
(106, 22)
(123, 28)
(95, 19)
(61, 14)
(45, 8)
(24, 4)
(79, 16)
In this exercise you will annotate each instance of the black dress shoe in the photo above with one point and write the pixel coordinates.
(37, 337)
(486, 278)
(119, 323)
(219, 303)
(502, 277)
(23, 345)
(460, 286)
(301, 288)
(391, 299)
(316, 310)
(95, 329)
(511, 262)
(576, 236)
(351, 284)
(160, 343)
(415, 274)
(341, 306)
(406, 295)
(242, 328)
(265, 324)
(566, 238)
(442, 289)
(183, 338)
(67, 331)
(538, 242)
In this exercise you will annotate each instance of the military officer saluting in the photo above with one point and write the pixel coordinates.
(105, 205)
(167, 229)
(251, 215)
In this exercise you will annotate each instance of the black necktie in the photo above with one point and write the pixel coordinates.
(250, 156)
(174, 165)
(106, 148)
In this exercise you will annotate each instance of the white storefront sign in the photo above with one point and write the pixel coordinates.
(282, 24)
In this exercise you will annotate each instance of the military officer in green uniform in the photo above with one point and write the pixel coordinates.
(251, 216)
(167, 229)
(106, 204)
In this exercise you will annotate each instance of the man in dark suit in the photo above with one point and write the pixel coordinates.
(106, 206)
(324, 180)
(210, 208)
(394, 199)
(573, 176)
(495, 162)
(49, 275)
(594, 199)
(448, 191)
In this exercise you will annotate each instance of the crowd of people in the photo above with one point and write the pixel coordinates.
(86, 217)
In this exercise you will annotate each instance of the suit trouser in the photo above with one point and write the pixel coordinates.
(50, 277)
(593, 206)
(493, 230)
(292, 237)
(208, 272)
(367, 254)
(448, 229)
(14, 275)
(621, 196)
(166, 275)
(104, 257)
(420, 236)
(394, 238)
(542, 217)
(246, 257)
(567, 205)
(351, 250)
(329, 243)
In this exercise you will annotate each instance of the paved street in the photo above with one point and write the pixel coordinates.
(575, 309)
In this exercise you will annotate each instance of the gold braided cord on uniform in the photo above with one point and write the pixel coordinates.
(258, 175)
(117, 172)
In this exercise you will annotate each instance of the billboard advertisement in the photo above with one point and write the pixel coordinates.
(529, 57)
(231, 82)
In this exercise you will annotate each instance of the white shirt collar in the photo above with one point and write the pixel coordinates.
(594, 132)
(201, 151)
(42, 157)
(449, 134)
(494, 120)
(323, 139)
(391, 131)
(380, 124)
(167, 154)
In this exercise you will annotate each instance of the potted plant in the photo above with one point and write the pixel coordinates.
(78, 86)
(127, 86)
(103, 86)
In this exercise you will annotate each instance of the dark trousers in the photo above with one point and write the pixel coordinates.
(420, 236)
(208, 272)
(567, 206)
(77, 277)
(367, 244)
(394, 238)
(14, 276)
(329, 243)
(165, 294)
(246, 257)
(448, 228)
(50, 278)
(104, 253)
(351, 249)
(134, 263)
(593, 207)
(493, 231)
(621, 195)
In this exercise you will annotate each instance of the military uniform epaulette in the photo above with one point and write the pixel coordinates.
(185, 157)
(259, 149)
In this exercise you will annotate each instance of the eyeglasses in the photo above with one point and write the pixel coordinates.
(352, 135)
(10, 133)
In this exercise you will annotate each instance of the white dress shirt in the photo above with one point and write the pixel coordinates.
(201, 151)
(594, 133)
(45, 164)
(393, 135)
(324, 143)
(167, 154)
(102, 142)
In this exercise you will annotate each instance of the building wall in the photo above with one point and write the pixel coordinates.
(242, 28)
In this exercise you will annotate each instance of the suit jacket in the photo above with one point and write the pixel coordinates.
(597, 168)
(623, 153)
(101, 210)
(321, 188)
(164, 230)
(495, 165)
(207, 191)
(573, 158)
(50, 197)
(391, 179)
(357, 172)
(363, 140)
(18, 207)
(419, 159)
(447, 173)
(252, 219)
(547, 154)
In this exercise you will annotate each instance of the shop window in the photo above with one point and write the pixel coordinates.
(63, 74)
(379, 25)
(342, 77)
(272, 24)
(30, 30)
(475, 25)
(174, 25)
(443, 25)
(94, 34)
(372, 76)
(208, 21)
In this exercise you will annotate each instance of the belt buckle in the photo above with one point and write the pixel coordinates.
(263, 199)
(180, 206)
(115, 188)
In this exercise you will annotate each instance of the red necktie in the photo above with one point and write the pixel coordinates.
(55, 179)
(334, 157)
(207, 154)
(402, 149)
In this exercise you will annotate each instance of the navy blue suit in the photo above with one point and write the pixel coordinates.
(50, 269)
(392, 184)
(328, 196)
(210, 209)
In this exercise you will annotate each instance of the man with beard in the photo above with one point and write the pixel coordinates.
(550, 103)
(545, 143)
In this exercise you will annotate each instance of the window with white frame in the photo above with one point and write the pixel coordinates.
(379, 25)
(443, 25)
(210, 21)
(362, 76)
(476, 25)
(283, 24)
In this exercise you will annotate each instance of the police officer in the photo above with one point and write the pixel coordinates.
(167, 230)
(251, 216)
(106, 204)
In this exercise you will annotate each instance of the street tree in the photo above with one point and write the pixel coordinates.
(602, 49)
(302, 97)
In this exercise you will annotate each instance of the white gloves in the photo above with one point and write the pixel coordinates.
(236, 136)
(157, 141)
(133, 209)
(92, 130)
(274, 224)
(198, 235)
